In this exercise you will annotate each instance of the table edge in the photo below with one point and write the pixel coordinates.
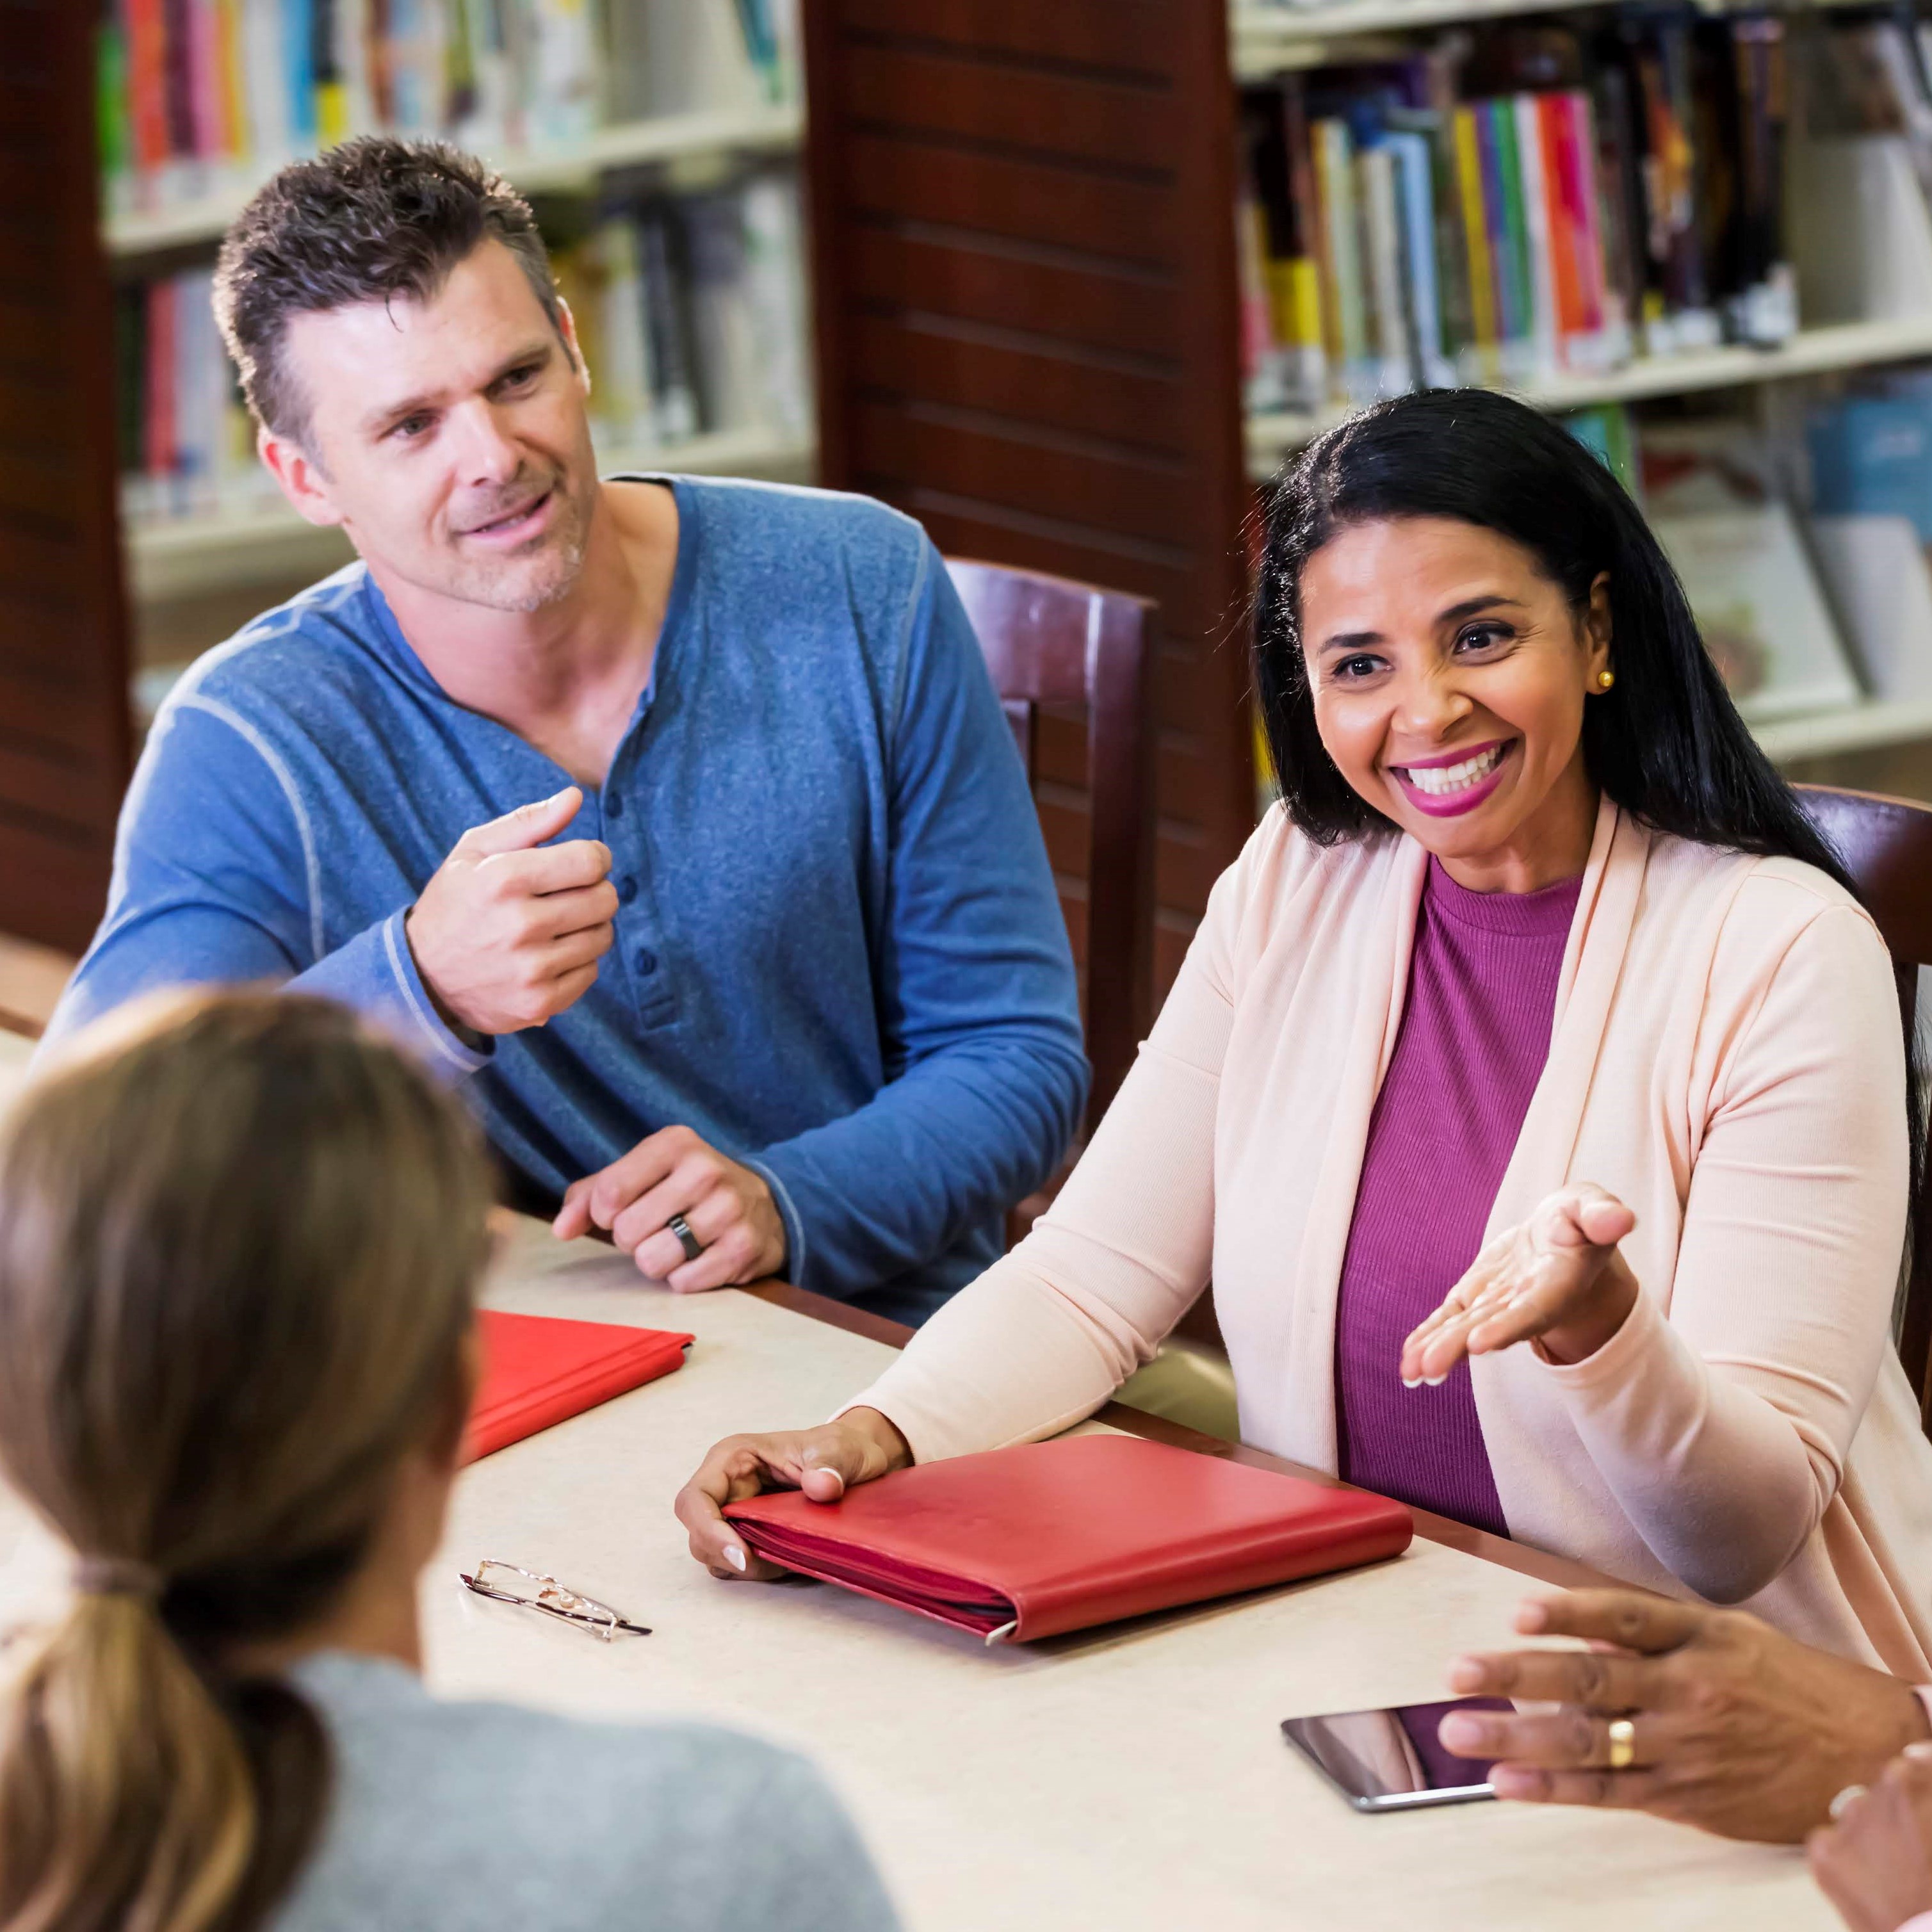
(1539, 1564)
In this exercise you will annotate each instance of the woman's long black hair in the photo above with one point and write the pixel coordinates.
(1665, 742)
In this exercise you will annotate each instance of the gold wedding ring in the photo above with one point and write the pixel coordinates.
(1623, 1744)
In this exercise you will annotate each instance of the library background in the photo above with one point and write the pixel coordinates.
(1067, 282)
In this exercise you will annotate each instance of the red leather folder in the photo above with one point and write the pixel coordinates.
(539, 1370)
(1048, 1536)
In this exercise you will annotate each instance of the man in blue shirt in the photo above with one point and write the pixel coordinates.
(679, 816)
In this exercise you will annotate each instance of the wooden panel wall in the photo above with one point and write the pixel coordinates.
(65, 733)
(1023, 244)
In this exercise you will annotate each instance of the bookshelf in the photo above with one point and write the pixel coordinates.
(1027, 335)
(602, 114)
(1273, 434)
(703, 135)
(1029, 330)
(1264, 37)
(255, 537)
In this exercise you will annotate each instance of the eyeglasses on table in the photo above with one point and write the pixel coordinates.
(553, 1598)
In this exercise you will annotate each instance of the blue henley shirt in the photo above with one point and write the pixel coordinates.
(839, 956)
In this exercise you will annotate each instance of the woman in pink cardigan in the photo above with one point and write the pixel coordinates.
(1534, 1093)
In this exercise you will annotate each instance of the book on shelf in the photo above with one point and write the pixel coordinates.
(201, 97)
(691, 313)
(1861, 204)
(1718, 493)
(1515, 204)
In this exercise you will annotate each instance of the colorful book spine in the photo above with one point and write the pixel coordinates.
(1540, 238)
(1344, 288)
(1520, 342)
(1260, 363)
(1511, 319)
(299, 28)
(231, 80)
(1485, 327)
(1574, 322)
(1619, 205)
(112, 125)
(1389, 342)
(146, 26)
(158, 429)
(1433, 368)
(178, 91)
(1294, 267)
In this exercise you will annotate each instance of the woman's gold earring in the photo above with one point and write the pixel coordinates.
(1605, 678)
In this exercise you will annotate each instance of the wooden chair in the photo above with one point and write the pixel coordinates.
(1886, 846)
(1051, 642)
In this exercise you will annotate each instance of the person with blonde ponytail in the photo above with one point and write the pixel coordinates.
(240, 1241)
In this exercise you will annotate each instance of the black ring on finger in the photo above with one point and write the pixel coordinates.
(692, 1246)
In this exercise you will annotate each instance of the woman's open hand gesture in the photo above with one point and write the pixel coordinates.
(1556, 1278)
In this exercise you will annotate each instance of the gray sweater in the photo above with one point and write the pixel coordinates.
(467, 1815)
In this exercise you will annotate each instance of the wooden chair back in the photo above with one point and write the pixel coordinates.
(1886, 846)
(1051, 642)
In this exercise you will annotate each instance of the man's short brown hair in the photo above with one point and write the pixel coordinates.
(371, 220)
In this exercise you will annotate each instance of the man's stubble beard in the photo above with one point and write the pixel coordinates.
(534, 582)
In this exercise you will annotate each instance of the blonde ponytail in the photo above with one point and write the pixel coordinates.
(238, 1253)
(127, 1797)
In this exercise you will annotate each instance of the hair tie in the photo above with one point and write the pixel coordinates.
(118, 1576)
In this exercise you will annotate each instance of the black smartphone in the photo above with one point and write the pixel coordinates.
(1391, 1760)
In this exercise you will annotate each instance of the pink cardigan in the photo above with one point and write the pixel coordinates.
(1726, 1058)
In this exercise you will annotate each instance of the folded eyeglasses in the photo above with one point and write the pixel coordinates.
(553, 1598)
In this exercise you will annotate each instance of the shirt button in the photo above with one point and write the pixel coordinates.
(627, 891)
(646, 960)
(613, 805)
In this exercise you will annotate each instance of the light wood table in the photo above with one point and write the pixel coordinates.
(1133, 1778)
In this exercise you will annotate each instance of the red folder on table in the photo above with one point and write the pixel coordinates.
(1048, 1536)
(538, 1370)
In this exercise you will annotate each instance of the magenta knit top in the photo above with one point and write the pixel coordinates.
(1475, 1035)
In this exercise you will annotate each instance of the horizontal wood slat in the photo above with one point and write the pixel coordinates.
(52, 787)
(1117, 220)
(52, 889)
(52, 707)
(924, 359)
(1121, 35)
(34, 336)
(50, 559)
(1087, 120)
(1144, 499)
(43, 487)
(1112, 309)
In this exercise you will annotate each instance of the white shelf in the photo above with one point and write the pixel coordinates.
(1267, 39)
(1857, 727)
(664, 138)
(262, 541)
(1812, 352)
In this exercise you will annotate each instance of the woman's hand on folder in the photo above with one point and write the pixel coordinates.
(824, 1462)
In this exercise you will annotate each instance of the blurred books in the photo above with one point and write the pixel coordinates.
(200, 98)
(1516, 203)
(691, 311)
